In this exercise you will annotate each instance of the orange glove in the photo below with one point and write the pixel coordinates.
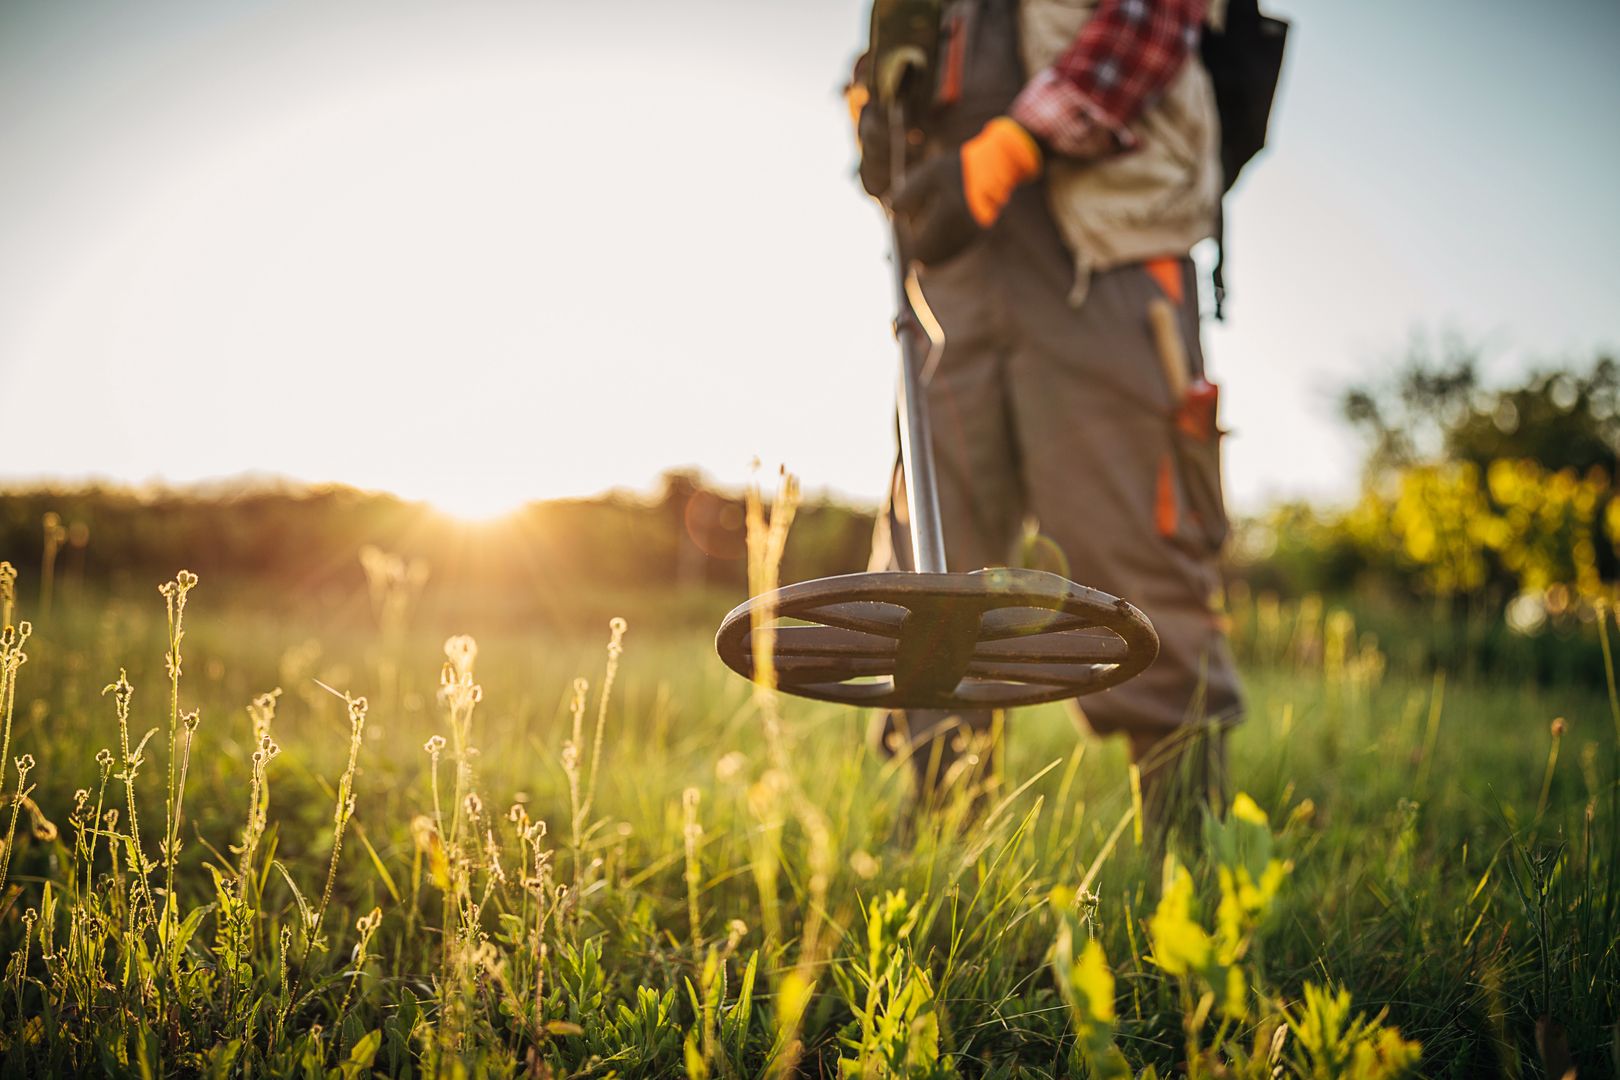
(997, 160)
(948, 201)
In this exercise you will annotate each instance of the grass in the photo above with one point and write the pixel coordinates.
(425, 857)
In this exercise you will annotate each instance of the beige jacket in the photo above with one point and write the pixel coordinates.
(1158, 199)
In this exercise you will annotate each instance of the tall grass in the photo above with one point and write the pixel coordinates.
(694, 877)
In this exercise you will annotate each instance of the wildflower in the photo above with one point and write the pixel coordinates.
(121, 691)
(461, 650)
(1093, 984)
(1180, 945)
(1246, 809)
(492, 852)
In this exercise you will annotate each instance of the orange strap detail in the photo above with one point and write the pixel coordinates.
(994, 163)
(856, 95)
(950, 83)
(1167, 272)
(1164, 501)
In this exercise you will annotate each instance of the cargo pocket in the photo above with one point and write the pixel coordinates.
(1200, 461)
(1190, 508)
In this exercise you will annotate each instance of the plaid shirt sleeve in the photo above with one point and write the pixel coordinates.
(1124, 56)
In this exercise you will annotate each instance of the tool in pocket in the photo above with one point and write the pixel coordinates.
(1199, 515)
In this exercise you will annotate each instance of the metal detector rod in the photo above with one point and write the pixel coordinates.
(916, 437)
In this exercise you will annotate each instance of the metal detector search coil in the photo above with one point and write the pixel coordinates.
(992, 639)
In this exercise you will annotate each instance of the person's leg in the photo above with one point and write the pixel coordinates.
(1182, 774)
(980, 507)
(1092, 414)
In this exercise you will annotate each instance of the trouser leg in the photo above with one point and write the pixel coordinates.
(946, 751)
(1092, 413)
(1183, 774)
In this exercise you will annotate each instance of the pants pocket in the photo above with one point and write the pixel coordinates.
(1199, 463)
(1191, 509)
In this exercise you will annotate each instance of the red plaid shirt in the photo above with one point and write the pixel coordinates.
(1124, 57)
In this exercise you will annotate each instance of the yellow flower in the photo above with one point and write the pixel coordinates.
(1246, 809)
(1180, 945)
(1093, 983)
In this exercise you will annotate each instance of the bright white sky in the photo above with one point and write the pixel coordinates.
(480, 253)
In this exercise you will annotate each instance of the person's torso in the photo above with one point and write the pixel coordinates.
(1158, 198)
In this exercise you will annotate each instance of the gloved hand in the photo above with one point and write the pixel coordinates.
(949, 200)
(871, 123)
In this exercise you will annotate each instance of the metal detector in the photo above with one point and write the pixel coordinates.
(929, 638)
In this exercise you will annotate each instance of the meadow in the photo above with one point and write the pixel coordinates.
(250, 843)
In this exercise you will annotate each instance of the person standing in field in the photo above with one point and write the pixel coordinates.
(1053, 191)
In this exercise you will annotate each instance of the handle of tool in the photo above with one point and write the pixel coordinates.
(1170, 345)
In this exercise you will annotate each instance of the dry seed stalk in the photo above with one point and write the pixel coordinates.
(342, 812)
(25, 764)
(122, 692)
(8, 593)
(367, 926)
(54, 534)
(262, 711)
(12, 657)
(766, 544)
(174, 597)
(104, 762)
(615, 649)
(570, 764)
(692, 835)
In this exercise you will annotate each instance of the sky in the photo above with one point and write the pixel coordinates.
(481, 253)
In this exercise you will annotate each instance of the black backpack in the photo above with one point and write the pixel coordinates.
(1244, 60)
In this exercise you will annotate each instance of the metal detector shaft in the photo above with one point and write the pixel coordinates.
(916, 437)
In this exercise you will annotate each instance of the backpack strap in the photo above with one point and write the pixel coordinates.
(1243, 53)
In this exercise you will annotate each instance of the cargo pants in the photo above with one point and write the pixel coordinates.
(1054, 437)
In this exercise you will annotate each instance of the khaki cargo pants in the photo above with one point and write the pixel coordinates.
(1054, 422)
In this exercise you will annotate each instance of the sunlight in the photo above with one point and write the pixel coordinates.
(475, 505)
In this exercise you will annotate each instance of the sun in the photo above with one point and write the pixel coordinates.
(474, 505)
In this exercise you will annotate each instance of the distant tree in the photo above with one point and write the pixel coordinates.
(1559, 419)
(1436, 409)
(1486, 493)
